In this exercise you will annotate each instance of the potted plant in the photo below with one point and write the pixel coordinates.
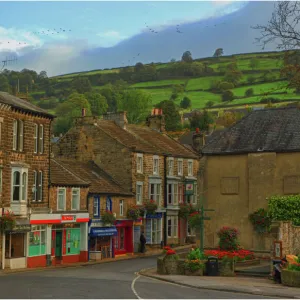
(7, 221)
(228, 238)
(108, 218)
(227, 265)
(133, 212)
(195, 263)
(261, 221)
(185, 210)
(170, 261)
(290, 276)
(194, 219)
(150, 206)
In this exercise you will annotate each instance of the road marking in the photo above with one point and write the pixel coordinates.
(132, 285)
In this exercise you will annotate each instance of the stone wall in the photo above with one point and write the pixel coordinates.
(290, 237)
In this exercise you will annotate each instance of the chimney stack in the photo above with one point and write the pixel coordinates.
(83, 112)
(156, 120)
(198, 140)
(120, 118)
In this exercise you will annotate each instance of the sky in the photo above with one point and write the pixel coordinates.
(28, 25)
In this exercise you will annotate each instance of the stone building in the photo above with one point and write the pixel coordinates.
(254, 159)
(145, 161)
(24, 174)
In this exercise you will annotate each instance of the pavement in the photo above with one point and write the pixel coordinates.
(116, 280)
(238, 284)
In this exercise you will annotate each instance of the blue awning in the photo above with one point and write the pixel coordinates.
(103, 231)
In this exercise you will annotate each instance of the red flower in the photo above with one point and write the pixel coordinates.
(170, 252)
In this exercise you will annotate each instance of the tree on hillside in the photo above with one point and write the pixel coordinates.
(138, 67)
(227, 96)
(249, 92)
(201, 120)
(185, 103)
(113, 95)
(233, 74)
(187, 56)
(172, 116)
(219, 52)
(81, 85)
(98, 103)
(173, 60)
(137, 103)
(4, 84)
(43, 75)
(209, 103)
(254, 63)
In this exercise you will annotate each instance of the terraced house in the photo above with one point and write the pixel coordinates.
(24, 176)
(145, 161)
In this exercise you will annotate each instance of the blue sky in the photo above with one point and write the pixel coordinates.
(100, 23)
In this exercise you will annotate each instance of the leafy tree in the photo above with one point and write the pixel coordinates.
(254, 63)
(219, 52)
(249, 92)
(251, 79)
(187, 56)
(172, 116)
(209, 103)
(177, 88)
(139, 67)
(173, 60)
(223, 86)
(234, 76)
(201, 120)
(50, 91)
(43, 75)
(98, 103)
(227, 96)
(4, 84)
(137, 103)
(185, 103)
(174, 96)
(81, 85)
(113, 95)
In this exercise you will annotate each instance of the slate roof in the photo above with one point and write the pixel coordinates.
(268, 130)
(144, 139)
(22, 104)
(85, 172)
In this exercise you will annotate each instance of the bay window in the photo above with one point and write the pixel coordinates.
(190, 167)
(180, 167)
(155, 192)
(139, 193)
(180, 193)
(172, 193)
(172, 223)
(19, 184)
(153, 231)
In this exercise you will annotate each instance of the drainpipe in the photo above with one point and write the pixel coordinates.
(88, 233)
(49, 179)
(165, 199)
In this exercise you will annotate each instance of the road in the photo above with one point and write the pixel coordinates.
(109, 280)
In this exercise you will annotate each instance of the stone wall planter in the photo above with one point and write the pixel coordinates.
(198, 272)
(290, 278)
(161, 266)
(226, 269)
(171, 266)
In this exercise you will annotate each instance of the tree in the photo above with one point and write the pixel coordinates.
(201, 120)
(251, 79)
(4, 84)
(81, 85)
(254, 63)
(227, 96)
(219, 52)
(43, 75)
(138, 67)
(137, 103)
(172, 116)
(234, 76)
(223, 86)
(97, 102)
(249, 92)
(174, 96)
(177, 88)
(209, 103)
(187, 56)
(185, 103)
(173, 60)
(227, 119)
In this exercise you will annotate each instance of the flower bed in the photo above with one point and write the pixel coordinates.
(239, 255)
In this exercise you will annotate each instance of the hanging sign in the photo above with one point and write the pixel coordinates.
(189, 188)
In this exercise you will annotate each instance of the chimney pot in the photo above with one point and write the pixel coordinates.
(83, 112)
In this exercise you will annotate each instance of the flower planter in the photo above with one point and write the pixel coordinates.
(171, 266)
(198, 272)
(161, 269)
(226, 268)
(290, 278)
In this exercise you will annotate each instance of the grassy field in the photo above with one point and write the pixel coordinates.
(159, 83)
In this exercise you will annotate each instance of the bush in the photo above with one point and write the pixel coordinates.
(251, 79)
(224, 86)
(227, 96)
(209, 103)
(185, 103)
(249, 92)
(269, 100)
(228, 238)
(260, 220)
(196, 254)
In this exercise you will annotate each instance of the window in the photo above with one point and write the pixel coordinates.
(18, 131)
(75, 199)
(38, 138)
(15, 245)
(37, 186)
(173, 193)
(195, 196)
(170, 166)
(155, 165)
(180, 193)
(139, 163)
(121, 207)
(96, 208)
(19, 184)
(108, 204)
(153, 231)
(173, 227)
(190, 231)
(61, 199)
(190, 167)
(73, 241)
(139, 192)
(180, 167)
(155, 192)
(37, 241)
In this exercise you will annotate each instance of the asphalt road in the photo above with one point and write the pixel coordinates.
(110, 280)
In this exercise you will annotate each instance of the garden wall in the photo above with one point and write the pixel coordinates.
(290, 237)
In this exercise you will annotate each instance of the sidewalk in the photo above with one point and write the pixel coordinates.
(246, 285)
(149, 253)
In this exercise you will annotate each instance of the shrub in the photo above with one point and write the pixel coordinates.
(260, 220)
(193, 265)
(209, 103)
(249, 92)
(7, 221)
(108, 217)
(251, 79)
(171, 255)
(196, 254)
(240, 254)
(224, 86)
(227, 95)
(295, 266)
(194, 219)
(185, 103)
(269, 100)
(228, 238)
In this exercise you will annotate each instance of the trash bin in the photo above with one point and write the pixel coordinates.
(212, 266)
(276, 261)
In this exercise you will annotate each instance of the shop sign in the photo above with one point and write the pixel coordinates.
(20, 228)
(138, 223)
(68, 218)
(189, 188)
(155, 216)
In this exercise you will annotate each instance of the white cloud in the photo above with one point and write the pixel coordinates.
(111, 38)
(221, 3)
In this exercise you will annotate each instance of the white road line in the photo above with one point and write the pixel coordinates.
(132, 286)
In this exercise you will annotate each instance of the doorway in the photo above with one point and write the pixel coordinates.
(58, 244)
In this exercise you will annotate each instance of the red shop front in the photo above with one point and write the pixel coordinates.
(124, 239)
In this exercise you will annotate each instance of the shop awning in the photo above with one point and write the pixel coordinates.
(102, 231)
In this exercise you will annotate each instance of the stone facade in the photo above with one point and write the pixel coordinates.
(290, 237)
(237, 185)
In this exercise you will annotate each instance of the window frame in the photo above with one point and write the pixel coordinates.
(173, 195)
(40, 229)
(37, 186)
(156, 158)
(139, 163)
(173, 226)
(180, 171)
(159, 227)
(78, 204)
(156, 195)
(170, 163)
(97, 201)
(1, 179)
(65, 196)
(1, 125)
(121, 207)
(190, 170)
(38, 138)
(21, 171)
(18, 135)
(139, 183)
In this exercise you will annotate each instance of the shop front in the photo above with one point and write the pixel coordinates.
(137, 225)
(101, 244)
(153, 230)
(124, 238)
(57, 239)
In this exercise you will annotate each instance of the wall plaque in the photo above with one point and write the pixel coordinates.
(230, 185)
